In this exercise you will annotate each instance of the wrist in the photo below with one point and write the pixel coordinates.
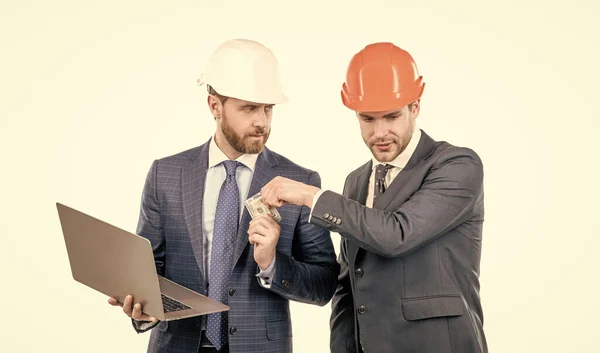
(311, 192)
(264, 265)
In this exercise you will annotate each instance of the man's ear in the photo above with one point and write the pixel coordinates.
(416, 108)
(215, 106)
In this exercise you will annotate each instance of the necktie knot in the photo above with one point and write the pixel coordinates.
(230, 167)
(381, 170)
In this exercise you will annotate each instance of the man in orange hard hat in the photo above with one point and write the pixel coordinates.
(410, 221)
(203, 237)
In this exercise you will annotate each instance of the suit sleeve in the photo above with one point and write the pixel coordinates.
(341, 322)
(149, 226)
(310, 274)
(446, 199)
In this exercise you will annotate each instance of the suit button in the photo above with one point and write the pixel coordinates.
(338, 221)
(362, 309)
(232, 330)
(231, 292)
(325, 215)
(358, 272)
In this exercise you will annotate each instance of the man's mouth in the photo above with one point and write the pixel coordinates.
(383, 146)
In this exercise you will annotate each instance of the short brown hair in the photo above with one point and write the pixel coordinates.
(213, 92)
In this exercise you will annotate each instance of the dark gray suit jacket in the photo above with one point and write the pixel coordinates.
(410, 265)
(259, 318)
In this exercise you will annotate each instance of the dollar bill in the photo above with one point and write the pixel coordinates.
(255, 207)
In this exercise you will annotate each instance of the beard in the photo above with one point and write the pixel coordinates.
(397, 144)
(243, 144)
(385, 156)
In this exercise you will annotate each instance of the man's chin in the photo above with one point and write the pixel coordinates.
(383, 157)
(254, 148)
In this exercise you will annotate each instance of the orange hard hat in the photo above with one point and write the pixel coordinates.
(381, 77)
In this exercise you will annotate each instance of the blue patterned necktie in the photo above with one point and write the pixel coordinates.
(224, 235)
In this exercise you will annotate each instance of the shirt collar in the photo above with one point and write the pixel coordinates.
(216, 156)
(404, 157)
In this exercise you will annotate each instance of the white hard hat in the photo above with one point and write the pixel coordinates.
(246, 70)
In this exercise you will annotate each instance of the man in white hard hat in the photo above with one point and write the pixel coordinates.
(193, 213)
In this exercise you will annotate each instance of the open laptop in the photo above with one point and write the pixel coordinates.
(118, 263)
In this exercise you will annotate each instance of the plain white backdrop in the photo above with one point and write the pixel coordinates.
(92, 91)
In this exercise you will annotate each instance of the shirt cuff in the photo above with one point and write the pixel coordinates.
(266, 277)
(315, 199)
(143, 326)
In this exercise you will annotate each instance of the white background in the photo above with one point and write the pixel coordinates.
(92, 92)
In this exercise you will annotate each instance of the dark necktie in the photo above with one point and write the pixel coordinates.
(380, 172)
(224, 234)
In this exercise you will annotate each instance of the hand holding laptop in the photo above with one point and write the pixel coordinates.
(121, 265)
(134, 312)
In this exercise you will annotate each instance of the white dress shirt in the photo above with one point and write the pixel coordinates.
(398, 164)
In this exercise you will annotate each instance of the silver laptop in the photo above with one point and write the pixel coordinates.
(119, 263)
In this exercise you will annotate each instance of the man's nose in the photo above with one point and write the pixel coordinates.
(381, 129)
(260, 118)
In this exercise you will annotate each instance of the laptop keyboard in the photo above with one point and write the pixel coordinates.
(170, 304)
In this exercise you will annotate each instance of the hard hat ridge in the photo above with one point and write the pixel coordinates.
(244, 69)
(382, 76)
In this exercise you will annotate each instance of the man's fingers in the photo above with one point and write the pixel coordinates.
(267, 195)
(112, 301)
(265, 189)
(258, 222)
(265, 220)
(133, 311)
(127, 305)
(137, 312)
(140, 316)
(257, 239)
(272, 199)
(259, 228)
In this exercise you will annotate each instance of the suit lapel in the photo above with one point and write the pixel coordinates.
(263, 173)
(193, 176)
(358, 192)
(362, 183)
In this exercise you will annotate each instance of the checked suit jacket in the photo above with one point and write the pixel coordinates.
(259, 318)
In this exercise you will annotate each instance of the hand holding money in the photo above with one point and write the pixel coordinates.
(280, 191)
(263, 231)
(256, 206)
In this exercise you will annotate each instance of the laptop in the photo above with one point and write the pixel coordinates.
(118, 263)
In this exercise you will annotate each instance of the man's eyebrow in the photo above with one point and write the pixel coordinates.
(252, 105)
(388, 115)
(392, 114)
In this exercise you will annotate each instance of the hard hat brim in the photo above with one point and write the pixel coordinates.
(379, 103)
(275, 96)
